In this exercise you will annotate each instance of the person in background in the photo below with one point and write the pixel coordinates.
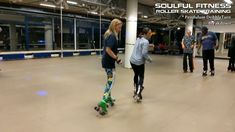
(137, 60)
(187, 44)
(231, 55)
(209, 42)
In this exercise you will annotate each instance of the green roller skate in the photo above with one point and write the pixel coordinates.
(102, 107)
(110, 101)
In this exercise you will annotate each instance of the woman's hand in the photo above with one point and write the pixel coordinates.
(151, 45)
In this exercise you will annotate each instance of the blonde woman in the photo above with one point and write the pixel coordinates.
(109, 58)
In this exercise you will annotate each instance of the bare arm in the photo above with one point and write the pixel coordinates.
(182, 44)
(110, 53)
(151, 45)
(193, 44)
(217, 44)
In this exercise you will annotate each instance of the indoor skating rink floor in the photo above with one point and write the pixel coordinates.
(58, 95)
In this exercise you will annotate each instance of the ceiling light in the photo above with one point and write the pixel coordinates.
(178, 28)
(145, 16)
(93, 12)
(47, 5)
(72, 2)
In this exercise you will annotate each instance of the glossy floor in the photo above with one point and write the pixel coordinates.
(58, 95)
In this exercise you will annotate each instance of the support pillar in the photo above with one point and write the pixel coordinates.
(131, 30)
(48, 37)
(13, 37)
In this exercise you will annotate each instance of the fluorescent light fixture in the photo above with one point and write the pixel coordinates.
(72, 2)
(83, 4)
(145, 16)
(47, 5)
(94, 12)
(178, 28)
(228, 1)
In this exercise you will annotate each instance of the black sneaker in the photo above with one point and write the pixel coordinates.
(212, 73)
(140, 95)
(204, 73)
(134, 90)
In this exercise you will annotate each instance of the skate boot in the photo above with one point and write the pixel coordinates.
(135, 96)
(135, 90)
(229, 68)
(212, 73)
(102, 107)
(204, 73)
(138, 96)
(140, 93)
(110, 101)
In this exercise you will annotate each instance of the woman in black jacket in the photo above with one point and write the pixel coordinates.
(231, 54)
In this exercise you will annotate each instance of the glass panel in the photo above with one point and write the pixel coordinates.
(85, 34)
(68, 33)
(37, 38)
(24, 31)
(4, 38)
(88, 33)
(225, 40)
(84, 37)
(10, 21)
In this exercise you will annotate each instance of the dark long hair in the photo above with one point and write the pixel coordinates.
(144, 31)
